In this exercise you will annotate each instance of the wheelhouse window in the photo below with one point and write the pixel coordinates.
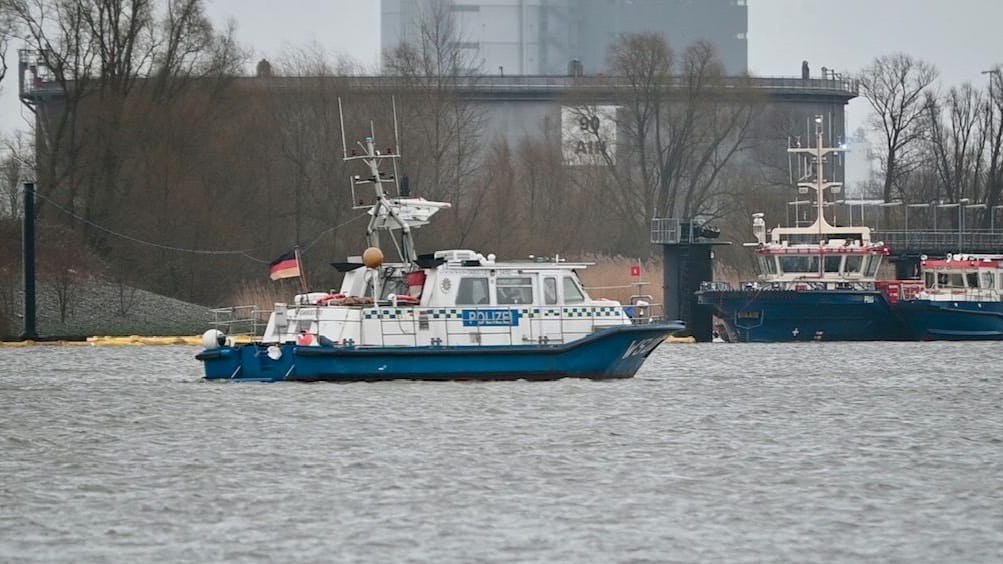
(972, 278)
(873, 262)
(950, 280)
(767, 264)
(854, 264)
(832, 263)
(472, 291)
(572, 293)
(549, 290)
(799, 263)
(514, 290)
(988, 280)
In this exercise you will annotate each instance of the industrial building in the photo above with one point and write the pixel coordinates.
(544, 37)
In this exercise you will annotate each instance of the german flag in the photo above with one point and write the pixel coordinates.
(286, 266)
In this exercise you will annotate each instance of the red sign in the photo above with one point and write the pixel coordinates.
(635, 270)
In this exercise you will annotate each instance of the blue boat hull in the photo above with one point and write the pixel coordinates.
(953, 321)
(771, 316)
(617, 352)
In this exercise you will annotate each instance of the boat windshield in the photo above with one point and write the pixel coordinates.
(514, 290)
(945, 280)
(854, 264)
(472, 291)
(767, 264)
(572, 293)
(988, 280)
(832, 263)
(799, 263)
(873, 262)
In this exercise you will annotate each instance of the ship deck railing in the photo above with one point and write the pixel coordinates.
(248, 321)
(964, 295)
(799, 285)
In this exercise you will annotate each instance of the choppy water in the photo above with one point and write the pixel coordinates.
(725, 453)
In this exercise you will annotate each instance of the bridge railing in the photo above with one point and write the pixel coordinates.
(913, 241)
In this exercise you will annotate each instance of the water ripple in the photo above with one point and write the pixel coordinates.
(739, 453)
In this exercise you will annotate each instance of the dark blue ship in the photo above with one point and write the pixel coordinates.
(816, 282)
(960, 300)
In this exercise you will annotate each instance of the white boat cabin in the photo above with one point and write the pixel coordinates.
(820, 257)
(461, 298)
(963, 278)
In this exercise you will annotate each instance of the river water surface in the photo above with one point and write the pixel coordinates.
(722, 453)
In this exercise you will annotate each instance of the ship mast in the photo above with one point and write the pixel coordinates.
(820, 185)
(387, 212)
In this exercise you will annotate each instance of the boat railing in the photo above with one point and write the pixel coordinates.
(968, 295)
(397, 330)
(642, 310)
(241, 321)
(796, 285)
(714, 286)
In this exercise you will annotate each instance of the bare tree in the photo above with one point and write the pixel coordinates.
(894, 86)
(15, 169)
(95, 53)
(678, 131)
(992, 126)
(6, 32)
(956, 142)
(441, 129)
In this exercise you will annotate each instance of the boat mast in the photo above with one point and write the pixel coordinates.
(372, 158)
(820, 185)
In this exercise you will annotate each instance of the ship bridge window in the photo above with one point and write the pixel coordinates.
(832, 263)
(950, 280)
(472, 291)
(803, 263)
(768, 264)
(854, 264)
(514, 290)
(972, 278)
(988, 280)
(930, 279)
(873, 262)
(572, 293)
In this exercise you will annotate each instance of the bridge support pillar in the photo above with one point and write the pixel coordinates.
(686, 265)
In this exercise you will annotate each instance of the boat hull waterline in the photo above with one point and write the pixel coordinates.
(616, 352)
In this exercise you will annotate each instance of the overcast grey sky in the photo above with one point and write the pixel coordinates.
(961, 37)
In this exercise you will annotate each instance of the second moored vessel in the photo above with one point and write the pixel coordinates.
(816, 282)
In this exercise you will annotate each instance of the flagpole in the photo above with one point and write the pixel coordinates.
(299, 265)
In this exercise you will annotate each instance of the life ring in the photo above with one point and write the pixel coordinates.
(305, 339)
(331, 299)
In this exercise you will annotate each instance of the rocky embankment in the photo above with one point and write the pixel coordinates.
(99, 307)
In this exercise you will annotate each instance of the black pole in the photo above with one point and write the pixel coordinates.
(28, 258)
